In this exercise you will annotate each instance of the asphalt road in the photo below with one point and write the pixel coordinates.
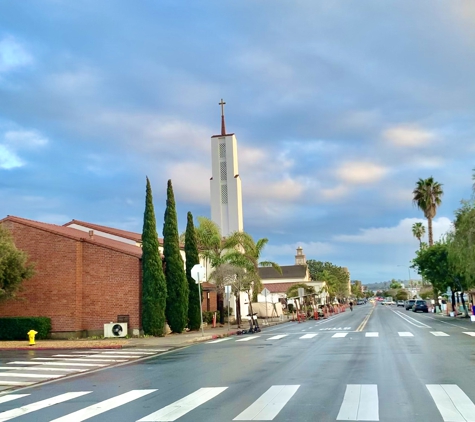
(375, 363)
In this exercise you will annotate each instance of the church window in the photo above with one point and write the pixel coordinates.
(223, 170)
(224, 194)
(222, 150)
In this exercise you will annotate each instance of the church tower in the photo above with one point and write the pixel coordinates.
(300, 257)
(225, 183)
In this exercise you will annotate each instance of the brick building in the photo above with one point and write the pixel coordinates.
(82, 281)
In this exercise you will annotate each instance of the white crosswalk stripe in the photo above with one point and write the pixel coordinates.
(54, 363)
(20, 375)
(470, 333)
(453, 404)
(103, 406)
(16, 383)
(81, 360)
(181, 407)
(360, 403)
(278, 337)
(20, 411)
(248, 338)
(268, 406)
(219, 340)
(439, 334)
(40, 368)
(405, 334)
(308, 336)
(339, 335)
(11, 397)
(371, 334)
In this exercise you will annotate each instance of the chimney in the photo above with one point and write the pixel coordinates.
(91, 234)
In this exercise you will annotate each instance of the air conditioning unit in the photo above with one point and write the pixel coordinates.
(115, 329)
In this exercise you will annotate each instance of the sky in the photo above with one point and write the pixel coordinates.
(339, 107)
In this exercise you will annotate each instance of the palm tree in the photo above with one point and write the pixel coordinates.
(418, 231)
(427, 196)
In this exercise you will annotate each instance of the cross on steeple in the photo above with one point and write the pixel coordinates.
(223, 125)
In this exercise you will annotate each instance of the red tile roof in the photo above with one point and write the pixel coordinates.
(279, 287)
(78, 235)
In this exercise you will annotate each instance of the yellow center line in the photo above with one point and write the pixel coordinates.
(363, 323)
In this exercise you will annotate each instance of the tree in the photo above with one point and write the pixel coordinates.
(177, 284)
(395, 285)
(14, 266)
(427, 196)
(418, 231)
(192, 258)
(356, 289)
(154, 288)
(461, 242)
(401, 295)
(321, 271)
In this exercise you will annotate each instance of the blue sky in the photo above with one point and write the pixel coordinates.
(338, 107)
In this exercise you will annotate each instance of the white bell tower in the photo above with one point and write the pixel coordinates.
(225, 183)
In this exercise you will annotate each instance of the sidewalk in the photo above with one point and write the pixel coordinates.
(168, 341)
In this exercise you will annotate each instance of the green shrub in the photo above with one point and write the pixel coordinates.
(16, 328)
(208, 316)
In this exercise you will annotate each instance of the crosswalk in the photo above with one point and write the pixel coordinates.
(22, 373)
(358, 402)
(335, 335)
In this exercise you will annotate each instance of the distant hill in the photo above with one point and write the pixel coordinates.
(383, 285)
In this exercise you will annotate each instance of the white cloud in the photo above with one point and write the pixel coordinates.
(8, 159)
(24, 139)
(337, 192)
(309, 249)
(13, 54)
(361, 172)
(408, 136)
(400, 234)
(190, 182)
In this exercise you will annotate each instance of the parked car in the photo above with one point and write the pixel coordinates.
(400, 303)
(409, 304)
(360, 302)
(420, 305)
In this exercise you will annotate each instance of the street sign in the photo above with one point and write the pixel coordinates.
(198, 273)
(227, 289)
(301, 291)
(265, 292)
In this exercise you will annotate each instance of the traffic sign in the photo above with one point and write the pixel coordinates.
(301, 291)
(265, 292)
(198, 273)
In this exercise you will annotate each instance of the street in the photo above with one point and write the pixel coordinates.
(377, 363)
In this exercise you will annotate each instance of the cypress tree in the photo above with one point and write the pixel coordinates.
(192, 258)
(154, 288)
(177, 284)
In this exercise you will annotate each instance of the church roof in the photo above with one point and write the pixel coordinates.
(137, 237)
(288, 271)
(78, 235)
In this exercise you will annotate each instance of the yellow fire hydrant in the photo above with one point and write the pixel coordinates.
(31, 335)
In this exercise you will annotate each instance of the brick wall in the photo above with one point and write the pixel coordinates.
(79, 285)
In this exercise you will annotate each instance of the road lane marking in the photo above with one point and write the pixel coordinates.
(26, 362)
(20, 375)
(366, 319)
(268, 406)
(80, 360)
(278, 337)
(16, 383)
(372, 334)
(308, 336)
(11, 397)
(360, 403)
(439, 334)
(181, 407)
(470, 333)
(339, 335)
(128, 352)
(219, 340)
(453, 404)
(405, 334)
(20, 411)
(248, 338)
(37, 368)
(406, 318)
(103, 406)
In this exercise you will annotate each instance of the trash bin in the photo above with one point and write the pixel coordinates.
(473, 309)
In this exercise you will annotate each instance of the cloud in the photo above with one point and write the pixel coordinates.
(309, 249)
(400, 234)
(24, 139)
(8, 159)
(408, 136)
(361, 172)
(190, 182)
(13, 55)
